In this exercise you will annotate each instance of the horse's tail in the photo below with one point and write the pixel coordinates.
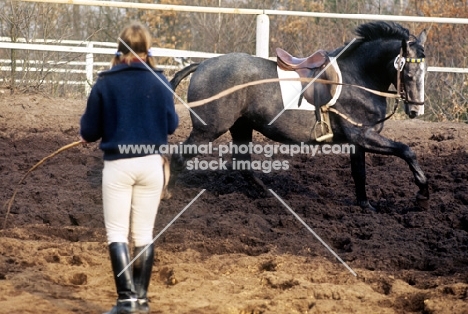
(179, 76)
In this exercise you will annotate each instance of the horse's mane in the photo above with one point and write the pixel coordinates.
(382, 30)
(377, 31)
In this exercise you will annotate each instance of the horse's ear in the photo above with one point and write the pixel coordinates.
(422, 37)
(404, 46)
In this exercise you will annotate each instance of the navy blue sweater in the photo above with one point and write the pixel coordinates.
(129, 105)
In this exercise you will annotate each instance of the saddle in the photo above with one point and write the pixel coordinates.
(318, 94)
(289, 63)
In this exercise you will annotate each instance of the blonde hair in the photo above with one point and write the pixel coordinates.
(138, 38)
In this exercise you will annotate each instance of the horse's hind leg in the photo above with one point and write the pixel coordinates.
(201, 134)
(177, 165)
(189, 150)
(241, 133)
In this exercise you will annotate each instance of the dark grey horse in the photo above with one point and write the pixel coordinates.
(368, 62)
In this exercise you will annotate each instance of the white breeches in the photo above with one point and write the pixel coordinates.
(131, 191)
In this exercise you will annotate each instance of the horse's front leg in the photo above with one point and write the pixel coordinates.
(358, 171)
(373, 142)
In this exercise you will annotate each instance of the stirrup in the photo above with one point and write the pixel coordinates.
(325, 131)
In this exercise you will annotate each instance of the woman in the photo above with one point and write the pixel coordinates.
(130, 105)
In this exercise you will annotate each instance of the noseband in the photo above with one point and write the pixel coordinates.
(399, 63)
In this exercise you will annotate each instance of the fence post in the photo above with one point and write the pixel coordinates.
(263, 36)
(89, 69)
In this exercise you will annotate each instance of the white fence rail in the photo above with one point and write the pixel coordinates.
(262, 44)
(263, 15)
(88, 49)
(88, 66)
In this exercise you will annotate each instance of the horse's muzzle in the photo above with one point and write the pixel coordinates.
(413, 114)
(414, 110)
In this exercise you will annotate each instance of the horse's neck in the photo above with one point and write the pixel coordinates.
(375, 63)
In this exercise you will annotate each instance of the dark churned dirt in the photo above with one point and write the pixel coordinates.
(232, 251)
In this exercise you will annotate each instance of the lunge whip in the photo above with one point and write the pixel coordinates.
(9, 203)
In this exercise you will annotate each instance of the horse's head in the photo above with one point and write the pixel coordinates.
(412, 73)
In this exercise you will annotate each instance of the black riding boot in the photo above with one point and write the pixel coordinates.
(142, 274)
(127, 298)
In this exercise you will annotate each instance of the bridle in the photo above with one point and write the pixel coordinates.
(399, 64)
(400, 95)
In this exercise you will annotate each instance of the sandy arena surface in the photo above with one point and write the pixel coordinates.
(233, 252)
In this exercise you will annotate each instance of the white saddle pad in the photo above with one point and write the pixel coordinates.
(291, 90)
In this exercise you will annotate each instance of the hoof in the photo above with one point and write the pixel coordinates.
(367, 206)
(258, 188)
(261, 189)
(422, 201)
